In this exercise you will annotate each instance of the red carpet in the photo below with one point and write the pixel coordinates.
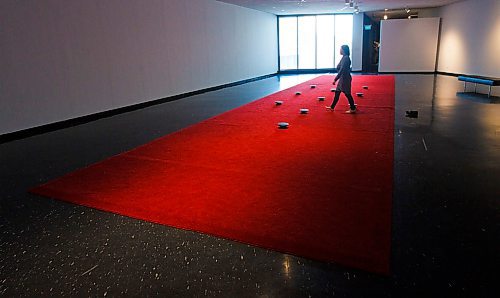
(320, 189)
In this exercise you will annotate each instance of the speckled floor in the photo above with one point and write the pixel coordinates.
(445, 211)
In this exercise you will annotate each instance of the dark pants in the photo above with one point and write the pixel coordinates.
(349, 98)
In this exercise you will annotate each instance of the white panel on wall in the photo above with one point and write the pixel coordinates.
(408, 45)
(64, 59)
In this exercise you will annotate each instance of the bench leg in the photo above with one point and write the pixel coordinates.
(489, 93)
(475, 87)
(465, 86)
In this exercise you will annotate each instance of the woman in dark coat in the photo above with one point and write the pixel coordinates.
(344, 80)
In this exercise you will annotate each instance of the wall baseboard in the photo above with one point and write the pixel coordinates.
(29, 132)
(452, 74)
(307, 71)
(313, 71)
(460, 74)
(449, 74)
(407, 72)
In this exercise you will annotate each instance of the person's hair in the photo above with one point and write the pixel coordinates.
(346, 50)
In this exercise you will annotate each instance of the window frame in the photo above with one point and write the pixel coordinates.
(316, 69)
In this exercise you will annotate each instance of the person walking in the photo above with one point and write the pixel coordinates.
(344, 79)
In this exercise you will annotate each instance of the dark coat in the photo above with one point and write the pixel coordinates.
(343, 77)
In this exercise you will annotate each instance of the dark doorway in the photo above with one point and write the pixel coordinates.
(371, 42)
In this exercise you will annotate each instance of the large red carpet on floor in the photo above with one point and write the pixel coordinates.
(321, 189)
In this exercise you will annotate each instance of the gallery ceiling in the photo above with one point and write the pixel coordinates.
(286, 7)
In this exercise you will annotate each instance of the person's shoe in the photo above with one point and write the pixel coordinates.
(350, 111)
(329, 108)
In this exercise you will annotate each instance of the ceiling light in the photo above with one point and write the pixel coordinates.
(385, 17)
(407, 10)
(409, 17)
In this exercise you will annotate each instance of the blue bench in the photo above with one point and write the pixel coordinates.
(479, 80)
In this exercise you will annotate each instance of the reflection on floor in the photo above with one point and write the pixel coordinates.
(445, 216)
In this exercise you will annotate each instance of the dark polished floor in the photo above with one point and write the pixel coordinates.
(445, 211)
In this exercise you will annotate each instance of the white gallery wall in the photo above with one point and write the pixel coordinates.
(470, 38)
(357, 42)
(64, 59)
(408, 45)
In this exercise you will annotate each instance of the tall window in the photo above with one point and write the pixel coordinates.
(288, 42)
(326, 41)
(313, 42)
(343, 34)
(307, 42)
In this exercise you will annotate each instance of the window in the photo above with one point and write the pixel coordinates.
(326, 41)
(313, 41)
(288, 42)
(307, 42)
(343, 34)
